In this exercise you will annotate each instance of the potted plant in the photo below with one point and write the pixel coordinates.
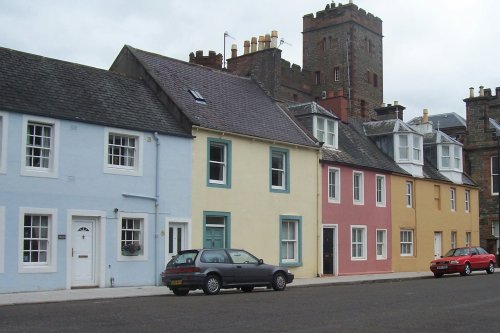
(131, 249)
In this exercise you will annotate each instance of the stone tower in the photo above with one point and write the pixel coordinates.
(342, 48)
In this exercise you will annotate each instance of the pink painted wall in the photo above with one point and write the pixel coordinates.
(346, 213)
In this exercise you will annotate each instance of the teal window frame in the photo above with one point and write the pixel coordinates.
(298, 220)
(228, 148)
(227, 226)
(286, 154)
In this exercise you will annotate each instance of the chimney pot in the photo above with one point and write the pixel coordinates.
(261, 43)
(425, 118)
(396, 103)
(274, 39)
(471, 92)
(254, 45)
(267, 41)
(234, 51)
(246, 47)
(481, 91)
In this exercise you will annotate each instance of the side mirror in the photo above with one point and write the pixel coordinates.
(260, 261)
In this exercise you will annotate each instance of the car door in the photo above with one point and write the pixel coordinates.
(483, 258)
(475, 258)
(247, 268)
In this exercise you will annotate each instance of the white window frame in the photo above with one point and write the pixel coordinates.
(294, 241)
(406, 242)
(52, 170)
(453, 199)
(51, 265)
(468, 238)
(406, 149)
(494, 175)
(136, 170)
(381, 244)
(144, 238)
(3, 141)
(326, 131)
(453, 237)
(284, 172)
(380, 180)
(222, 164)
(409, 194)
(335, 198)
(336, 73)
(467, 201)
(446, 159)
(457, 157)
(2, 239)
(416, 148)
(357, 243)
(361, 190)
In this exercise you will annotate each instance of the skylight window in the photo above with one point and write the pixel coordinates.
(197, 96)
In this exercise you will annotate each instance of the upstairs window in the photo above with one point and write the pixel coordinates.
(453, 194)
(219, 159)
(445, 156)
(123, 153)
(494, 175)
(317, 77)
(409, 194)
(358, 190)
(40, 147)
(417, 152)
(380, 191)
(451, 157)
(403, 147)
(409, 148)
(467, 201)
(334, 185)
(279, 173)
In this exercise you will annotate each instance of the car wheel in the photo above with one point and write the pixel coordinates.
(466, 270)
(211, 285)
(180, 292)
(279, 281)
(491, 268)
(247, 289)
(438, 275)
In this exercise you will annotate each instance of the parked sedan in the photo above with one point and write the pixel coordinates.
(464, 260)
(213, 269)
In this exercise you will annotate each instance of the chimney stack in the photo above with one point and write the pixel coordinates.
(274, 39)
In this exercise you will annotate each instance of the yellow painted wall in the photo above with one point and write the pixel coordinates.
(255, 210)
(430, 213)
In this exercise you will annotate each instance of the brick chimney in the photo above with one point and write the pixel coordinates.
(212, 60)
(337, 103)
(390, 111)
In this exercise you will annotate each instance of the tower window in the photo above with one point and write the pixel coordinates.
(336, 74)
(375, 80)
(317, 75)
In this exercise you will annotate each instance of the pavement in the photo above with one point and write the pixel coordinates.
(122, 292)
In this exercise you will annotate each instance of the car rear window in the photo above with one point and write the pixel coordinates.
(185, 258)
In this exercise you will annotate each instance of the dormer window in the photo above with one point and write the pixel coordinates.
(406, 143)
(197, 96)
(325, 130)
(450, 156)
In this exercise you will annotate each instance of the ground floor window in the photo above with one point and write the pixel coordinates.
(381, 244)
(358, 242)
(290, 240)
(406, 242)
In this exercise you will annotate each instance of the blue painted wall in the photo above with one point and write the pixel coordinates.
(81, 184)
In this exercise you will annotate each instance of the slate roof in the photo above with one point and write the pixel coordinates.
(309, 108)
(48, 87)
(443, 120)
(436, 137)
(385, 127)
(358, 150)
(233, 104)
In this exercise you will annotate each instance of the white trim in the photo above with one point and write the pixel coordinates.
(4, 120)
(467, 201)
(365, 244)
(2, 239)
(338, 191)
(382, 203)
(100, 217)
(335, 227)
(408, 182)
(453, 199)
(412, 243)
(52, 171)
(384, 255)
(51, 265)
(138, 162)
(361, 200)
(189, 229)
(145, 236)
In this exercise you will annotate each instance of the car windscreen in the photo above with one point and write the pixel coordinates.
(457, 252)
(185, 258)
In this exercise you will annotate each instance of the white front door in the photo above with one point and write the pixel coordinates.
(176, 239)
(437, 245)
(83, 252)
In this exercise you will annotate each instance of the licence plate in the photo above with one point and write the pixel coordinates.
(442, 267)
(175, 282)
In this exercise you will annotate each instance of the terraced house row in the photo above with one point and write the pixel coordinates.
(106, 174)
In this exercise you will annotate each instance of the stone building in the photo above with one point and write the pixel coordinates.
(342, 56)
(482, 147)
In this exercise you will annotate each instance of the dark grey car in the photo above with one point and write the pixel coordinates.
(213, 269)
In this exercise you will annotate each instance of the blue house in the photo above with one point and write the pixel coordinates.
(95, 177)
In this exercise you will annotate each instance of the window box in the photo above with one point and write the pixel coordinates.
(131, 249)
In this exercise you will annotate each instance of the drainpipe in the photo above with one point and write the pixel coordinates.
(157, 196)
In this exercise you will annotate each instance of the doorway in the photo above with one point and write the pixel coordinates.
(177, 238)
(83, 252)
(438, 241)
(329, 251)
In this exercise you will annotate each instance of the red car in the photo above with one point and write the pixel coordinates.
(464, 260)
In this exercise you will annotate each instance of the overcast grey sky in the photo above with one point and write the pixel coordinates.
(434, 50)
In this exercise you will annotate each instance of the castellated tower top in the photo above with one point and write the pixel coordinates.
(334, 15)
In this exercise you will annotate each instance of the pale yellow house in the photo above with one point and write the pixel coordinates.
(255, 181)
